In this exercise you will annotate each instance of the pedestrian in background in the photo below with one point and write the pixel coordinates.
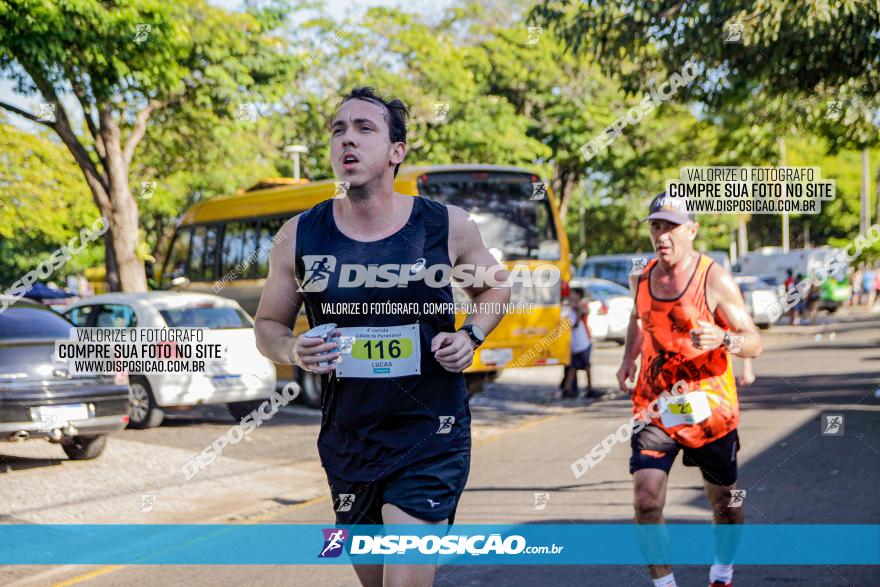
(868, 286)
(581, 345)
(855, 285)
(801, 305)
(788, 284)
(814, 300)
(876, 293)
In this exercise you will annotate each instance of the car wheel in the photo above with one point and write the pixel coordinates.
(763, 325)
(144, 413)
(310, 383)
(83, 448)
(241, 409)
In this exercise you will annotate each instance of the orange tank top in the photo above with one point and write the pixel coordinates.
(668, 356)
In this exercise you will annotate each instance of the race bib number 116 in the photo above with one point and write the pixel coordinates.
(381, 352)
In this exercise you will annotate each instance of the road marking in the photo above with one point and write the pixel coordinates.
(285, 509)
(89, 575)
(113, 568)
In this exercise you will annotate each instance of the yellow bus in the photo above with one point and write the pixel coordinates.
(220, 247)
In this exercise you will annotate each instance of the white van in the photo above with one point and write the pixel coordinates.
(772, 261)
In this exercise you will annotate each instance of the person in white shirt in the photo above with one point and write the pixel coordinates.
(581, 345)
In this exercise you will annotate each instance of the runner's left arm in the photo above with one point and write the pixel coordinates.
(466, 248)
(455, 351)
(724, 294)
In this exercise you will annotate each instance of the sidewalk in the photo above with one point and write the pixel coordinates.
(840, 320)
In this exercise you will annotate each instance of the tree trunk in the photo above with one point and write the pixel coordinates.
(124, 214)
(112, 277)
(567, 185)
(124, 225)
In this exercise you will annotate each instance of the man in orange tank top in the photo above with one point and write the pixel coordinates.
(688, 321)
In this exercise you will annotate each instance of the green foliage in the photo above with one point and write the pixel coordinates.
(178, 70)
(510, 102)
(807, 53)
(43, 204)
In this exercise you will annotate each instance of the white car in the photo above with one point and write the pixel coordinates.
(610, 308)
(760, 297)
(242, 380)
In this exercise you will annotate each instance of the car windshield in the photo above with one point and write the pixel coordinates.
(32, 322)
(603, 291)
(616, 270)
(212, 317)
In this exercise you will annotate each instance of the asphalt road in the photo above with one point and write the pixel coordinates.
(525, 441)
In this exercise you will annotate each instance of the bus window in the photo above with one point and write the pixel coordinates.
(175, 265)
(209, 262)
(239, 244)
(198, 251)
(248, 247)
(231, 255)
(268, 229)
(512, 225)
(204, 254)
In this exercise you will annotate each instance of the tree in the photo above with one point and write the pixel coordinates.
(799, 68)
(43, 203)
(124, 63)
(786, 47)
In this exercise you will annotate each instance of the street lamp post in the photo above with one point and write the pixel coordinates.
(295, 151)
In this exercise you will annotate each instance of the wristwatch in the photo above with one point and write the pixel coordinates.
(727, 341)
(475, 332)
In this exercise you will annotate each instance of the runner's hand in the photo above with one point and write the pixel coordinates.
(308, 352)
(453, 350)
(747, 377)
(627, 372)
(708, 336)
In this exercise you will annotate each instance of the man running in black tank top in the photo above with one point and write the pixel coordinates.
(395, 433)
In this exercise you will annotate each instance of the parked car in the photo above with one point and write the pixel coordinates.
(38, 396)
(242, 381)
(721, 258)
(610, 308)
(760, 297)
(614, 268)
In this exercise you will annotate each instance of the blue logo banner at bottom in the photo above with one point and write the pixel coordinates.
(529, 544)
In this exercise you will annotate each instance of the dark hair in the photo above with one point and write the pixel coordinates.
(578, 290)
(395, 113)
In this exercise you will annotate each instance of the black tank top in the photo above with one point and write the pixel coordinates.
(373, 427)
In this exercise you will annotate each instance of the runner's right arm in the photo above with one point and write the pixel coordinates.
(279, 307)
(633, 348)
